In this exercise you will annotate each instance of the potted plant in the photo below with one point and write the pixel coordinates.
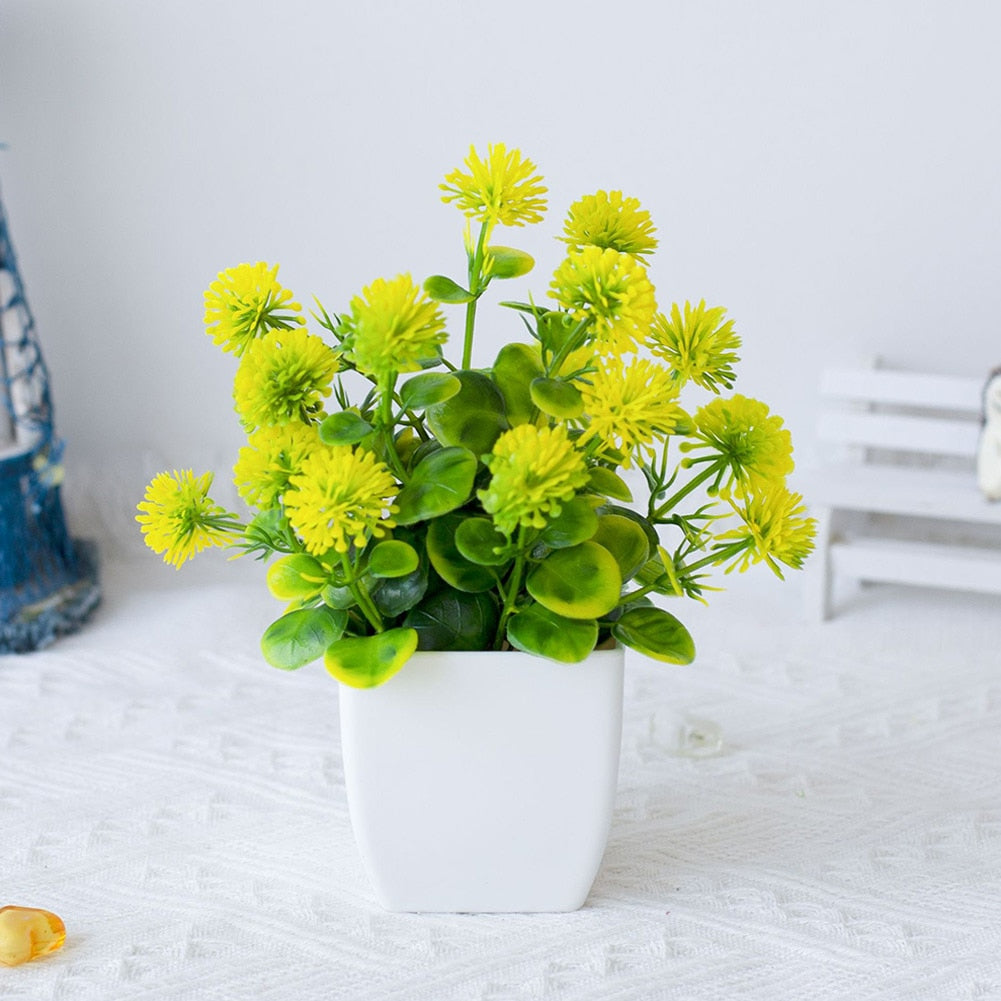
(463, 546)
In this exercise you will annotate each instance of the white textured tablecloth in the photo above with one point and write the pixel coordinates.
(180, 804)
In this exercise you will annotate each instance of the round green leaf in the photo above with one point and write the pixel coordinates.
(603, 481)
(473, 418)
(451, 565)
(392, 558)
(344, 428)
(575, 523)
(396, 595)
(443, 289)
(296, 577)
(441, 482)
(298, 638)
(454, 620)
(423, 390)
(481, 543)
(582, 582)
(557, 398)
(515, 368)
(537, 630)
(656, 633)
(337, 597)
(627, 512)
(367, 661)
(509, 263)
(625, 540)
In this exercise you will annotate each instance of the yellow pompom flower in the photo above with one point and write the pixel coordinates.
(698, 344)
(283, 377)
(504, 188)
(179, 519)
(244, 303)
(533, 471)
(392, 327)
(269, 459)
(607, 220)
(612, 290)
(631, 406)
(774, 531)
(340, 496)
(750, 446)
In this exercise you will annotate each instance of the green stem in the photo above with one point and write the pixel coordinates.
(475, 275)
(386, 425)
(361, 595)
(513, 587)
(717, 557)
(574, 341)
(692, 484)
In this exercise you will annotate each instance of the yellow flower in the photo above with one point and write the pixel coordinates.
(773, 529)
(246, 302)
(752, 448)
(631, 406)
(504, 188)
(532, 471)
(606, 219)
(179, 519)
(283, 377)
(272, 455)
(339, 497)
(392, 327)
(610, 288)
(699, 346)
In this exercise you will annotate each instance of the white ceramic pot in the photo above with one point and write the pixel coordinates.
(484, 781)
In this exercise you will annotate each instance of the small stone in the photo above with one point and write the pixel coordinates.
(27, 933)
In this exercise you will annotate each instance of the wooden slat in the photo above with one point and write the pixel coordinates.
(954, 567)
(932, 435)
(911, 389)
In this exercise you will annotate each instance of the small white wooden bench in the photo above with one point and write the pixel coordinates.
(899, 500)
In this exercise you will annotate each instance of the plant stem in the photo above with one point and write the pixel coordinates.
(475, 274)
(361, 595)
(513, 587)
(574, 341)
(386, 426)
(719, 556)
(694, 482)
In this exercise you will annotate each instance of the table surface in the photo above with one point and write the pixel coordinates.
(181, 805)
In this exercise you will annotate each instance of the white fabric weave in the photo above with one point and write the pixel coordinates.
(181, 805)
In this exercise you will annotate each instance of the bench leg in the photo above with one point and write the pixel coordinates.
(817, 584)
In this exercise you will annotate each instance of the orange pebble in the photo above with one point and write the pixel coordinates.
(27, 933)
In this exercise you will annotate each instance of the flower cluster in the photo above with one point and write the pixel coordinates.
(442, 506)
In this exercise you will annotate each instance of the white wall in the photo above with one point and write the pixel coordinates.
(827, 171)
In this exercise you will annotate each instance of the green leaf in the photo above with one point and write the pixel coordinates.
(392, 558)
(582, 582)
(337, 597)
(451, 565)
(479, 542)
(298, 638)
(652, 538)
(367, 661)
(396, 595)
(473, 418)
(537, 630)
(344, 428)
(557, 398)
(441, 482)
(604, 481)
(423, 390)
(625, 540)
(509, 263)
(515, 368)
(455, 620)
(296, 577)
(656, 633)
(445, 290)
(575, 523)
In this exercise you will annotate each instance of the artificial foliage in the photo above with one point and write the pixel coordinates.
(408, 501)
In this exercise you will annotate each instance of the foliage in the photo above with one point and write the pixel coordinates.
(450, 508)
